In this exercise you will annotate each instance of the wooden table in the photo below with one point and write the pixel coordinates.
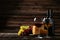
(13, 36)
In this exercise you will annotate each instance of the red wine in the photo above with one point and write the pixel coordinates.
(38, 24)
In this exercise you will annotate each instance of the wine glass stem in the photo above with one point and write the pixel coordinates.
(39, 33)
(47, 30)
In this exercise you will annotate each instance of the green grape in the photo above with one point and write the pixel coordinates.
(20, 32)
(24, 27)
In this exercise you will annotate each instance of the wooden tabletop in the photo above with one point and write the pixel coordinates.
(14, 36)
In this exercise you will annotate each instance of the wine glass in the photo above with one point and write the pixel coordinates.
(38, 25)
(47, 25)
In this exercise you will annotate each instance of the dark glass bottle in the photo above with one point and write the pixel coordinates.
(48, 23)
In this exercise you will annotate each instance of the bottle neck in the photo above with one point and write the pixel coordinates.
(49, 13)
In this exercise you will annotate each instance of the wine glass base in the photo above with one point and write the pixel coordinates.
(47, 37)
(39, 37)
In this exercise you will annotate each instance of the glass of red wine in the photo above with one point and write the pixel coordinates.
(38, 25)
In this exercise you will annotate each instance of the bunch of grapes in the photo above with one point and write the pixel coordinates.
(25, 31)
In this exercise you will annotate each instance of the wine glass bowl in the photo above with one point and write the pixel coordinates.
(47, 26)
(37, 27)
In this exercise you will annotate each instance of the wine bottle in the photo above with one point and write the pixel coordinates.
(48, 23)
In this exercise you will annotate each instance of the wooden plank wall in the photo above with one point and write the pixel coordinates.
(14, 13)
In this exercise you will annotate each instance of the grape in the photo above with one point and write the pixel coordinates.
(27, 31)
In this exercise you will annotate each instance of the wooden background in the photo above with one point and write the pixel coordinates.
(14, 13)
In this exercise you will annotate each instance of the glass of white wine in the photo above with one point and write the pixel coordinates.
(47, 26)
